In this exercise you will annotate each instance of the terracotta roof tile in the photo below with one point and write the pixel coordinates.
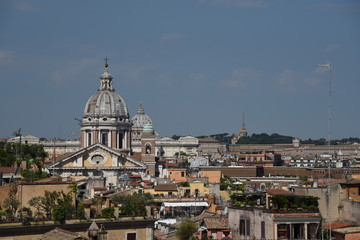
(216, 223)
(136, 176)
(51, 180)
(351, 181)
(122, 193)
(8, 169)
(62, 234)
(171, 164)
(203, 215)
(165, 187)
(349, 230)
(336, 225)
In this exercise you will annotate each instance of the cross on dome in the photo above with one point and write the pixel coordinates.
(106, 62)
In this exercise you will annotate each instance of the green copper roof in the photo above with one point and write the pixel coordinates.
(148, 128)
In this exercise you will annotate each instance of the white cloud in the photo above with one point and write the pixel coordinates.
(83, 64)
(331, 48)
(287, 79)
(171, 36)
(56, 77)
(197, 77)
(136, 72)
(238, 3)
(165, 78)
(339, 6)
(313, 81)
(21, 5)
(291, 81)
(241, 78)
(72, 70)
(6, 56)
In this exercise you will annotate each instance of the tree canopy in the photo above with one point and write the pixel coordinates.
(186, 230)
(264, 138)
(133, 205)
(10, 151)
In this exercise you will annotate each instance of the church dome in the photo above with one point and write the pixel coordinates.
(106, 102)
(140, 119)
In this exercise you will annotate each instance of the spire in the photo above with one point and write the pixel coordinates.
(243, 125)
(141, 109)
(106, 60)
(106, 79)
(243, 131)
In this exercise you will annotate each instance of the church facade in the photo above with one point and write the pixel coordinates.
(105, 142)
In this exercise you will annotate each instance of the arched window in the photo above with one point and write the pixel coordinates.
(242, 227)
(148, 148)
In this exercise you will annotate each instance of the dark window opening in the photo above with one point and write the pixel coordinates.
(131, 236)
(104, 138)
(242, 227)
(148, 149)
(89, 139)
(120, 140)
(262, 230)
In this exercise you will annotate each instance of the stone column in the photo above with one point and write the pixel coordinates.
(96, 136)
(125, 140)
(113, 139)
(82, 139)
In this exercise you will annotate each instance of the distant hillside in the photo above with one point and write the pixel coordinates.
(323, 141)
(264, 138)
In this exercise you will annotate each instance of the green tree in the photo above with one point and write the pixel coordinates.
(80, 211)
(11, 204)
(186, 230)
(133, 205)
(264, 138)
(98, 202)
(25, 216)
(35, 202)
(64, 209)
(45, 203)
(108, 212)
(73, 190)
(176, 137)
(33, 174)
(9, 152)
(7, 156)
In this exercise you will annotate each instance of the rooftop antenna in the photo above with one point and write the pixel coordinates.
(18, 149)
(329, 67)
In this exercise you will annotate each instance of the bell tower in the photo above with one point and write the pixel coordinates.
(148, 138)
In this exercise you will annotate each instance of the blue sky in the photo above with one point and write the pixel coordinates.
(197, 65)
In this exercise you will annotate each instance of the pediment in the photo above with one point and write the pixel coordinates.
(98, 156)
